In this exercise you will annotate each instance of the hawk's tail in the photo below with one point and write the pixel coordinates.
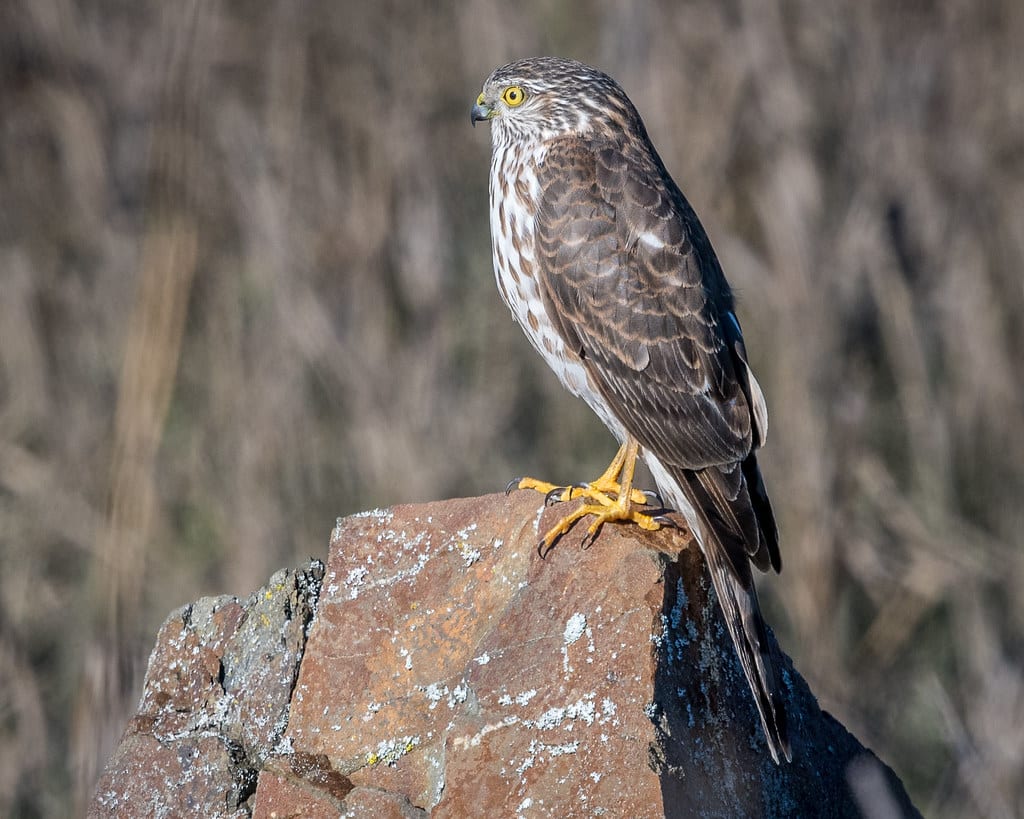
(730, 568)
(738, 598)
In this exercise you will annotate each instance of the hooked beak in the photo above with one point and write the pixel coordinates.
(481, 111)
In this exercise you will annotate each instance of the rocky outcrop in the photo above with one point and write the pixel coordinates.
(214, 705)
(449, 671)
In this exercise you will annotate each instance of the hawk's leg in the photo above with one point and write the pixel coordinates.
(610, 498)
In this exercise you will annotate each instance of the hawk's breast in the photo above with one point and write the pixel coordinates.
(515, 196)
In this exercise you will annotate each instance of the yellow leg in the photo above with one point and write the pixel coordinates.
(610, 498)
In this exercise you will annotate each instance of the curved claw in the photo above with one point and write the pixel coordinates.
(512, 484)
(544, 548)
(665, 520)
(654, 499)
(591, 536)
(551, 498)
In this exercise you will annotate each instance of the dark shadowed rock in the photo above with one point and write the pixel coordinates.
(450, 671)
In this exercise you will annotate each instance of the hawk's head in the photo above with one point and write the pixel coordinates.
(544, 97)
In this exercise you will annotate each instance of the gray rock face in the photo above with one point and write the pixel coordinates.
(215, 704)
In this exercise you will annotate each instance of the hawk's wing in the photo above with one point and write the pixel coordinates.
(630, 281)
(632, 284)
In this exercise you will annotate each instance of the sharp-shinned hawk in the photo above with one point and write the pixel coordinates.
(606, 267)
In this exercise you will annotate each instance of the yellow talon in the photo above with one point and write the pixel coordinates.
(611, 498)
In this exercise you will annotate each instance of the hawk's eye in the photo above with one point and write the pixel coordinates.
(513, 96)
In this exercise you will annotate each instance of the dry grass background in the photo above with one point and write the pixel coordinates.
(246, 287)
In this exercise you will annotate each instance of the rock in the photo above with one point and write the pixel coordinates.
(450, 671)
(214, 704)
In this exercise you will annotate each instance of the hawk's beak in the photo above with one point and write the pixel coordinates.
(481, 111)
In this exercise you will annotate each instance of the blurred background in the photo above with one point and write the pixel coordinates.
(245, 287)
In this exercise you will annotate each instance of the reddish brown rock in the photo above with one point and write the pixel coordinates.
(290, 797)
(450, 671)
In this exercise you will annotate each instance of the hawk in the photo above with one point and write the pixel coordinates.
(606, 267)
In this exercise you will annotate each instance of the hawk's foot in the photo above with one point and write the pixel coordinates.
(600, 492)
(610, 498)
(618, 510)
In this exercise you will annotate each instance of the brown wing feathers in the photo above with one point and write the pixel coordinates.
(629, 279)
(639, 309)
(623, 282)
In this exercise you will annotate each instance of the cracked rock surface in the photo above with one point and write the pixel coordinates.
(449, 671)
(214, 705)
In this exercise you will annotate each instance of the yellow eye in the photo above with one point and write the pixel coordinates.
(513, 96)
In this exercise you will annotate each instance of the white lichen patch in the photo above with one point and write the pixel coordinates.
(435, 692)
(537, 751)
(403, 541)
(360, 579)
(520, 699)
(458, 695)
(560, 750)
(384, 516)
(574, 628)
(470, 555)
(371, 709)
(526, 696)
(207, 723)
(529, 760)
(461, 542)
(584, 710)
(339, 524)
(355, 578)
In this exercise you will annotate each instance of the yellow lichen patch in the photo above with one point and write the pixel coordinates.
(390, 751)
